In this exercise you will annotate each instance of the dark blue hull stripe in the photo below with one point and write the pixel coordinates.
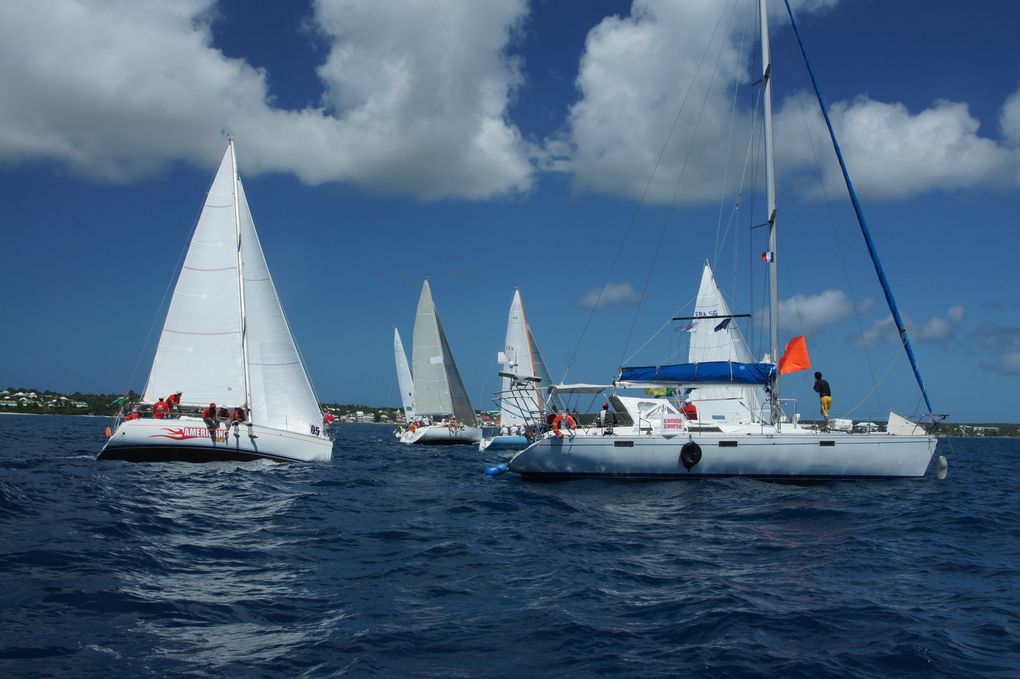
(184, 454)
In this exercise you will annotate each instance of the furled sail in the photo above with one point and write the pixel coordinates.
(438, 388)
(403, 377)
(199, 350)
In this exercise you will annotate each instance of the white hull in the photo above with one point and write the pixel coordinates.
(441, 435)
(798, 456)
(188, 439)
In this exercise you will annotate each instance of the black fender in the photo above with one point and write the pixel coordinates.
(690, 454)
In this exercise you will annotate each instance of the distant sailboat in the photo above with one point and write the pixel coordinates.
(440, 398)
(524, 390)
(225, 341)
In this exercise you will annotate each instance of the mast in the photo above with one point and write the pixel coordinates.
(770, 182)
(240, 278)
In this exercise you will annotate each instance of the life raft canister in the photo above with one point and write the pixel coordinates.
(690, 454)
(570, 423)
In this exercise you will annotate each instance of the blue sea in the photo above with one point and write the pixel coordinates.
(393, 561)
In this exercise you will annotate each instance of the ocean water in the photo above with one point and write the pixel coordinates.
(392, 561)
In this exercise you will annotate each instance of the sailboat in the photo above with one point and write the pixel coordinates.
(659, 442)
(524, 384)
(443, 410)
(225, 341)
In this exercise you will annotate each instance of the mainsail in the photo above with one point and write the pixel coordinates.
(226, 339)
(709, 343)
(438, 388)
(403, 377)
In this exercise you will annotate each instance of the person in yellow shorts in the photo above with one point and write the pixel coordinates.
(825, 397)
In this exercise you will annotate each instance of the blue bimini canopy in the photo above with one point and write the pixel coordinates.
(709, 372)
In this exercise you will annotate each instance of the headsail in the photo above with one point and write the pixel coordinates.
(437, 384)
(199, 350)
(281, 394)
(710, 342)
(403, 377)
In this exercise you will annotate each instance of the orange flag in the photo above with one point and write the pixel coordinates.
(795, 357)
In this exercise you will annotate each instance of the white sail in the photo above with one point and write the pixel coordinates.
(521, 357)
(516, 404)
(199, 350)
(438, 388)
(403, 377)
(710, 342)
(281, 395)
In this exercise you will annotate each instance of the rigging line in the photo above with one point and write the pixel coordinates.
(683, 173)
(637, 208)
(178, 266)
(874, 388)
(839, 248)
(661, 328)
(865, 231)
(729, 150)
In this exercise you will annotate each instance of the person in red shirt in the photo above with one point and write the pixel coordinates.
(133, 415)
(328, 418)
(173, 402)
(209, 415)
(690, 410)
(160, 409)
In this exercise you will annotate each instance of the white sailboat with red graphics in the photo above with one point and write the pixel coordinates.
(225, 341)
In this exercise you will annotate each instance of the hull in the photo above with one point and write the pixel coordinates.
(189, 440)
(441, 435)
(797, 457)
(503, 443)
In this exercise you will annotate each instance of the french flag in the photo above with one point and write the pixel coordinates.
(768, 256)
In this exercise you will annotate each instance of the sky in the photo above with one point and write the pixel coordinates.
(566, 148)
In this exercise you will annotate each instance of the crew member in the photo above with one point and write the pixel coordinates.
(606, 419)
(160, 409)
(327, 418)
(210, 415)
(133, 415)
(689, 409)
(824, 398)
(173, 402)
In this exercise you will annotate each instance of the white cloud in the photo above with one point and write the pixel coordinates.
(633, 79)
(809, 313)
(936, 330)
(612, 293)
(939, 329)
(1009, 120)
(415, 95)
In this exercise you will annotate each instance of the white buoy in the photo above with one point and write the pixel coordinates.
(941, 467)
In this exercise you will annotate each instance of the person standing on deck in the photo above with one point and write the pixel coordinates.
(825, 398)
(159, 409)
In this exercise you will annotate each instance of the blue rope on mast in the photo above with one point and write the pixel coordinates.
(860, 220)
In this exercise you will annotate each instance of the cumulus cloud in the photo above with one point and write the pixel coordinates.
(1009, 120)
(415, 95)
(612, 293)
(1001, 345)
(936, 330)
(808, 313)
(637, 73)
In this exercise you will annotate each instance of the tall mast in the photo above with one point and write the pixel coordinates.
(240, 277)
(770, 182)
